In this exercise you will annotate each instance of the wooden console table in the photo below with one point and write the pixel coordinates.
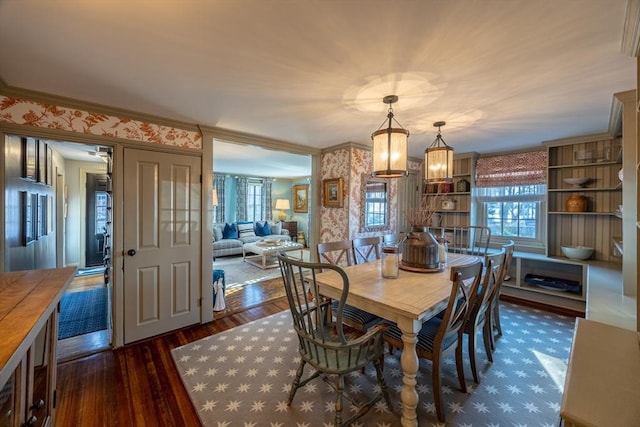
(29, 331)
(602, 386)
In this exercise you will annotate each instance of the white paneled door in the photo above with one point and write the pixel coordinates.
(161, 242)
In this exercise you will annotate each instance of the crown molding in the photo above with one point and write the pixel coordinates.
(630, 44)
(32, 95)
(238, 137)
(579, 139)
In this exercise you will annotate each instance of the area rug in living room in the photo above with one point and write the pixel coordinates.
(243, 376)
(237, 272)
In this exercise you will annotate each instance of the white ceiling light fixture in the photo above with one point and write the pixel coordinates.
(390, 146)
(438, 160)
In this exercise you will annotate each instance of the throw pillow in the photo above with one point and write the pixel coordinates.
(245, 229)
(262, 229)
(230, 231)
(266, 229)
(276, 228)
(217, 233)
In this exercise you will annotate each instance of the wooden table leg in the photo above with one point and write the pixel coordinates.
(409, 363)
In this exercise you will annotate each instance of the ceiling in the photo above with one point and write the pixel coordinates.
(504, 75)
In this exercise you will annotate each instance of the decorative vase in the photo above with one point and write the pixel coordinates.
(576, 203)
(420, 250)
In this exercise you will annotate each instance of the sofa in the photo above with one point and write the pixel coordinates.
(229, 238)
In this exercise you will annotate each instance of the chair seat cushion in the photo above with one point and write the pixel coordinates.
(426, 336)
(357, 316)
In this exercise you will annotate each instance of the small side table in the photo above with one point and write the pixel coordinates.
(292, 226)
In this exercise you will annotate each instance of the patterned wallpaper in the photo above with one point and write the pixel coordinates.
(37, 114)
(334, 222)
(350, 164)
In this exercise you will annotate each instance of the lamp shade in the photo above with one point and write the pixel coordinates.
(438, 165)
(438, 160)
(283, 204)
(390, 153)
(390, 146)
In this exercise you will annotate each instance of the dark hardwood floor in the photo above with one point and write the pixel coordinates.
(138, 385)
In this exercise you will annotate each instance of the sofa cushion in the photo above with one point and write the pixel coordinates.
(276, 228)
(227, 244)
(245, 229)
(263, 229)
(217, 233)
(230, 231)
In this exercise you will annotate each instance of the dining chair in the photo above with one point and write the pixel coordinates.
(495, 302)
(341, 253)
(468, 240)
(393, 238)
(478, 318)
(336, 253)
(366, 249)
(439, 337)
(324, 343)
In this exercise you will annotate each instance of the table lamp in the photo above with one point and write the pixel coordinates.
(282, 205)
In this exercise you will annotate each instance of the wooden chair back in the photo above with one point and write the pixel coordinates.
(336, 253)
(366, 249)
(468, 240)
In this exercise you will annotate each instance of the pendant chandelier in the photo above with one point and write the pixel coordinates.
(390, 146)
(438, 160)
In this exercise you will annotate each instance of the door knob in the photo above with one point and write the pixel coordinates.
(131, 252)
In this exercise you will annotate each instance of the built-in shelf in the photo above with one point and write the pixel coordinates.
(577, 190)
(583, 165)
(581, 213)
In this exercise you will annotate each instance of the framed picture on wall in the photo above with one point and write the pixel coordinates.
(29, 159)
(301, 198)
(29, 204)
(41, 227)
(49, 165)
(42, 162)
(332, 195)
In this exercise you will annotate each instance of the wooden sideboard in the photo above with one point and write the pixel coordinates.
(29, 331)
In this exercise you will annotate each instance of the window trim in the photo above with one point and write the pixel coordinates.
(366, 180)
(527, 244)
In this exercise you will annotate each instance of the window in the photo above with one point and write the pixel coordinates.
(375, 211)
(512, 211)
(510, 193)
(254, 201)
(101, 211)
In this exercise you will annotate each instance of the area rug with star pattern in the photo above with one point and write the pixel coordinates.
(242, 377)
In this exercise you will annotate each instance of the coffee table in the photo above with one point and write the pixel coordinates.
(264, 249)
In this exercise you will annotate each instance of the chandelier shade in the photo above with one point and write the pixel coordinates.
(438, 160)
(390, 147)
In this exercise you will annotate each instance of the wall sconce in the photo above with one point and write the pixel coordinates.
(438, 160)
(390, 147)
(282, 205)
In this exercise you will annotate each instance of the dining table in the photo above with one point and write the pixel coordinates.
(408, 300)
